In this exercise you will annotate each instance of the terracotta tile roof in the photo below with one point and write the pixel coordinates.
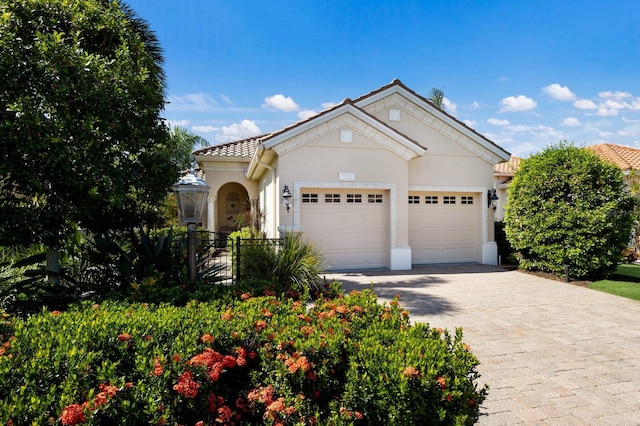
(622, 156)
(397, 82)
(507, 168)
(243, 148)
(247, 147)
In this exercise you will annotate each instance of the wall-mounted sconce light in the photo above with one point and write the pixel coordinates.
(286, 196)
(492, 199)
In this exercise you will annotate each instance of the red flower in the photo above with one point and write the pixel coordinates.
(245, 296)
(448, 397)
(207, 338)
(260, 325)
(124, 337)
(224, 415)
(55, 313)
(72, 415)
(157, 368)
(186, 386)
(411, 373)
(442, 382)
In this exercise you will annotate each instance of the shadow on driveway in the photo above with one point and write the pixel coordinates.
(414, 286)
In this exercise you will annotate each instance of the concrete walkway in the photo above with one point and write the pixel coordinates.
(552, 353)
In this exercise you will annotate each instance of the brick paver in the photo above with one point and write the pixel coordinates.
(552, 353)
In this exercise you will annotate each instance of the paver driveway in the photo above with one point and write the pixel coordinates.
(552, 353)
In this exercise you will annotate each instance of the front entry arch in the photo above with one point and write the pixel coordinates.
(232, 201)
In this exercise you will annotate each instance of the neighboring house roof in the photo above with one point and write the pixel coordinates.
(626, 158)
(507, 168)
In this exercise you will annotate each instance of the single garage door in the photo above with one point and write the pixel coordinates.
(444, 227)
(349, 226)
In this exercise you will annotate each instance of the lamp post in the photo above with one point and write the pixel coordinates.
(191, 195)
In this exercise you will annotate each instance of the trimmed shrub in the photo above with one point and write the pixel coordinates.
(567, 206)
(251, 360)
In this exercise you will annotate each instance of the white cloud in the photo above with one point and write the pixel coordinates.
(450, 106)
(227, 100)
(245, 129)
(498, 122)
(327, 105)
(281, 103)
(470, 123)
(517, 103)
(178, 123)
(192, 102)
(585, 104)
(571, 122)
(561, 93)
(607, 112)
(629, 120)
(304, 114)
(474, 105)
(205, 129)
(614, 95)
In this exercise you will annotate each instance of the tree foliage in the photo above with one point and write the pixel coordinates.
(567, 206)
(436, 97)
(81, 139)
(186, 143)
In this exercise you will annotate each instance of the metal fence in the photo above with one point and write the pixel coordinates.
(221, 258)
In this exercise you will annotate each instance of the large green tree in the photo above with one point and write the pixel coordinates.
(81, 137)
(567, 206)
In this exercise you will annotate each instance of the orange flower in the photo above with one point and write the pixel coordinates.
(245, 296)
(55, 313)
(207, 338)
(466, 347)
(260, 325)
(266, 313)
(124, 337)
(227, 315)
(186, 386)
(448, 397)
(411, 373)
(157, 368)
(72, 415)
(306, 330)
(442, 382)
(224, 415)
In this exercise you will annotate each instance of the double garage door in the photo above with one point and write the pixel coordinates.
(444, 227)
(349, 226)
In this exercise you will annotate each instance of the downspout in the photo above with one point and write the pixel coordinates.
(275, 187)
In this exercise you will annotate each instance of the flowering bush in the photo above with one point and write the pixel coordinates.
(253, 360)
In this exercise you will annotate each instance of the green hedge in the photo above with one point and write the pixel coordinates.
(254, 360)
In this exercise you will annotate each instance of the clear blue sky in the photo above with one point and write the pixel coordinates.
(525, 74)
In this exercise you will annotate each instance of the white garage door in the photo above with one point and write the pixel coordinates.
(349, 226)
(444, 227)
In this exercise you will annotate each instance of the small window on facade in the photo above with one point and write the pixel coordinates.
(346, 136)
(309, 198)
(431, 199)
(414, 199)
(466, 200)
(449, 199)
(354, 198)
(331, 198)
(374, 198)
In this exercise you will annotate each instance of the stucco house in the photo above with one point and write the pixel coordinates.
(387, 180)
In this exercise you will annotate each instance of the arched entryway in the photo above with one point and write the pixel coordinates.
(233, 201)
